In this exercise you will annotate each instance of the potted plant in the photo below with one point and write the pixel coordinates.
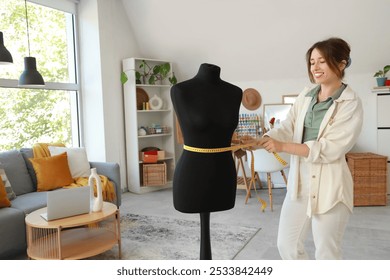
(151, 75)
(381, 76)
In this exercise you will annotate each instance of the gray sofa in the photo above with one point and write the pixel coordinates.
(23, 180)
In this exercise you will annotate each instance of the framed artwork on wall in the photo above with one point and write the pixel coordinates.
(289, 98)
(274, 114)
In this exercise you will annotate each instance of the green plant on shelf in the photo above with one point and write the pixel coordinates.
(382, 73)
(151, 75)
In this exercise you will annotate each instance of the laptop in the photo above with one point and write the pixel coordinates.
(67, 202)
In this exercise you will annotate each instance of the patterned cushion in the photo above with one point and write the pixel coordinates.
(10, 192)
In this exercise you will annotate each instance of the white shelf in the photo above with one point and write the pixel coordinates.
(155, 135)
(153, 111)
(153, 86)
(134, 119)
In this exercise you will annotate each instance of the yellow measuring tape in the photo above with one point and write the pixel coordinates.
(226, 149)
(234, 148)
(216, 150)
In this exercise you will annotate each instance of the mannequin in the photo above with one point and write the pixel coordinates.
(207, 110)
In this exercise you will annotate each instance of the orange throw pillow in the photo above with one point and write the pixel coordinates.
(4, 201)
(52, 172)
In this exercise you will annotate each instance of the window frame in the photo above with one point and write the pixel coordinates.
(68, 6)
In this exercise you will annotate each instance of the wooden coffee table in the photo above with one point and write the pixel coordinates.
(75, 237)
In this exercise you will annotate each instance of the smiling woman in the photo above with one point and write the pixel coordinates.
(50, 114)
(321, 127)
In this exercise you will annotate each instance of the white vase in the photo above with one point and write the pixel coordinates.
(155, 103)
(96, 202)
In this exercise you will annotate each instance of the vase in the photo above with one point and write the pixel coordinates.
(156, 103)
(96, 204)
(381, 81)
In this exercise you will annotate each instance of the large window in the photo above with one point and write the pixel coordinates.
(49, 114)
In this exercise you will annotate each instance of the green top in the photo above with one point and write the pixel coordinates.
(316, 112)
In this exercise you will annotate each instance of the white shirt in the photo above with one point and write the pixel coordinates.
(331, 181)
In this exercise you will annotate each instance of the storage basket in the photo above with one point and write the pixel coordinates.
(158, 130)
(154, 174)
(369, 173)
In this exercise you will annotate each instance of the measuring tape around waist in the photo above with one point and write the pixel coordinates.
(235, 148)
(227, 149)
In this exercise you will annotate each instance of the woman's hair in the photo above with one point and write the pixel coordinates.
(334, 51)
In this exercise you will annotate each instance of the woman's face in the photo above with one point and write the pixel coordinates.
(320, 70)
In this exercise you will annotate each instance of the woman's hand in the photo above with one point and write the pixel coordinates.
(271, 145)
(275, 146)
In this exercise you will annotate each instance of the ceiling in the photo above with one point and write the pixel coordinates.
(257, 39)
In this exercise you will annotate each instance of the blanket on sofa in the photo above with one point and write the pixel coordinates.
(108, 190)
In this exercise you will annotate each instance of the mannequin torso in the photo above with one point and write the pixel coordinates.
(207, 109)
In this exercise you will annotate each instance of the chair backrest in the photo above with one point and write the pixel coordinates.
(266, 162)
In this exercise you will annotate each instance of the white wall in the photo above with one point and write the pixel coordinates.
(106, 38)
(258, 39)
(91, 81)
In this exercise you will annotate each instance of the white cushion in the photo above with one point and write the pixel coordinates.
(77, 160)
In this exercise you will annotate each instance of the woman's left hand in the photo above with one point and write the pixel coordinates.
(272, 145)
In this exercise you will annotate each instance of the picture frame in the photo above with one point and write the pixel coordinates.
(289, 98)
(278, 111)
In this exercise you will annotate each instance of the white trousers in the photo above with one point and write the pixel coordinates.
(294, 224)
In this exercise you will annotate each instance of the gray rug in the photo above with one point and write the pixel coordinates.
(159, 238)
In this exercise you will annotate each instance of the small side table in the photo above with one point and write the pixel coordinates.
(75, 237)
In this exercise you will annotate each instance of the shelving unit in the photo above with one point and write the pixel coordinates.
(134, 119)
(383, 126)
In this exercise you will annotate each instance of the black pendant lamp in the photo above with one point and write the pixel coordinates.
(30, 76)
(5, 55)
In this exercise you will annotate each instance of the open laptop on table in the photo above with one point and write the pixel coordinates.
(67, 202)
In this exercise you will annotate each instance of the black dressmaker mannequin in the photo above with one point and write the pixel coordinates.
(207, 109)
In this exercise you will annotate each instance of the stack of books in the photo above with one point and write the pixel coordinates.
(383, 89)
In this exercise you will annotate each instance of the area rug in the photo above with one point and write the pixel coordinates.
(160, 238)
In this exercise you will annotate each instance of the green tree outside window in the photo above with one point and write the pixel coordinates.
(28, 116)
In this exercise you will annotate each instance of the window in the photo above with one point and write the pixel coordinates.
(49, 114)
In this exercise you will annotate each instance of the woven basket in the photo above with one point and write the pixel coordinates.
(154, 174)
(158, 130)
(369, 173)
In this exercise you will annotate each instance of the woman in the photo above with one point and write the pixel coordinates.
(322, 126)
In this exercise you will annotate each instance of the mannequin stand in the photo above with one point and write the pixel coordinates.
(205, 244)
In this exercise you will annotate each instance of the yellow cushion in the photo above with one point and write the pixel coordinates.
(4, 201)
(52, 172)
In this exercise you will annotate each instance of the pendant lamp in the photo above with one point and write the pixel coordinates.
(5, 55)
(30, 76)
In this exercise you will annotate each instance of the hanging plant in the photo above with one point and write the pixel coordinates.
(123, 78)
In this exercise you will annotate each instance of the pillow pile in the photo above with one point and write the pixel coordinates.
(52, 172)
(77, 160)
